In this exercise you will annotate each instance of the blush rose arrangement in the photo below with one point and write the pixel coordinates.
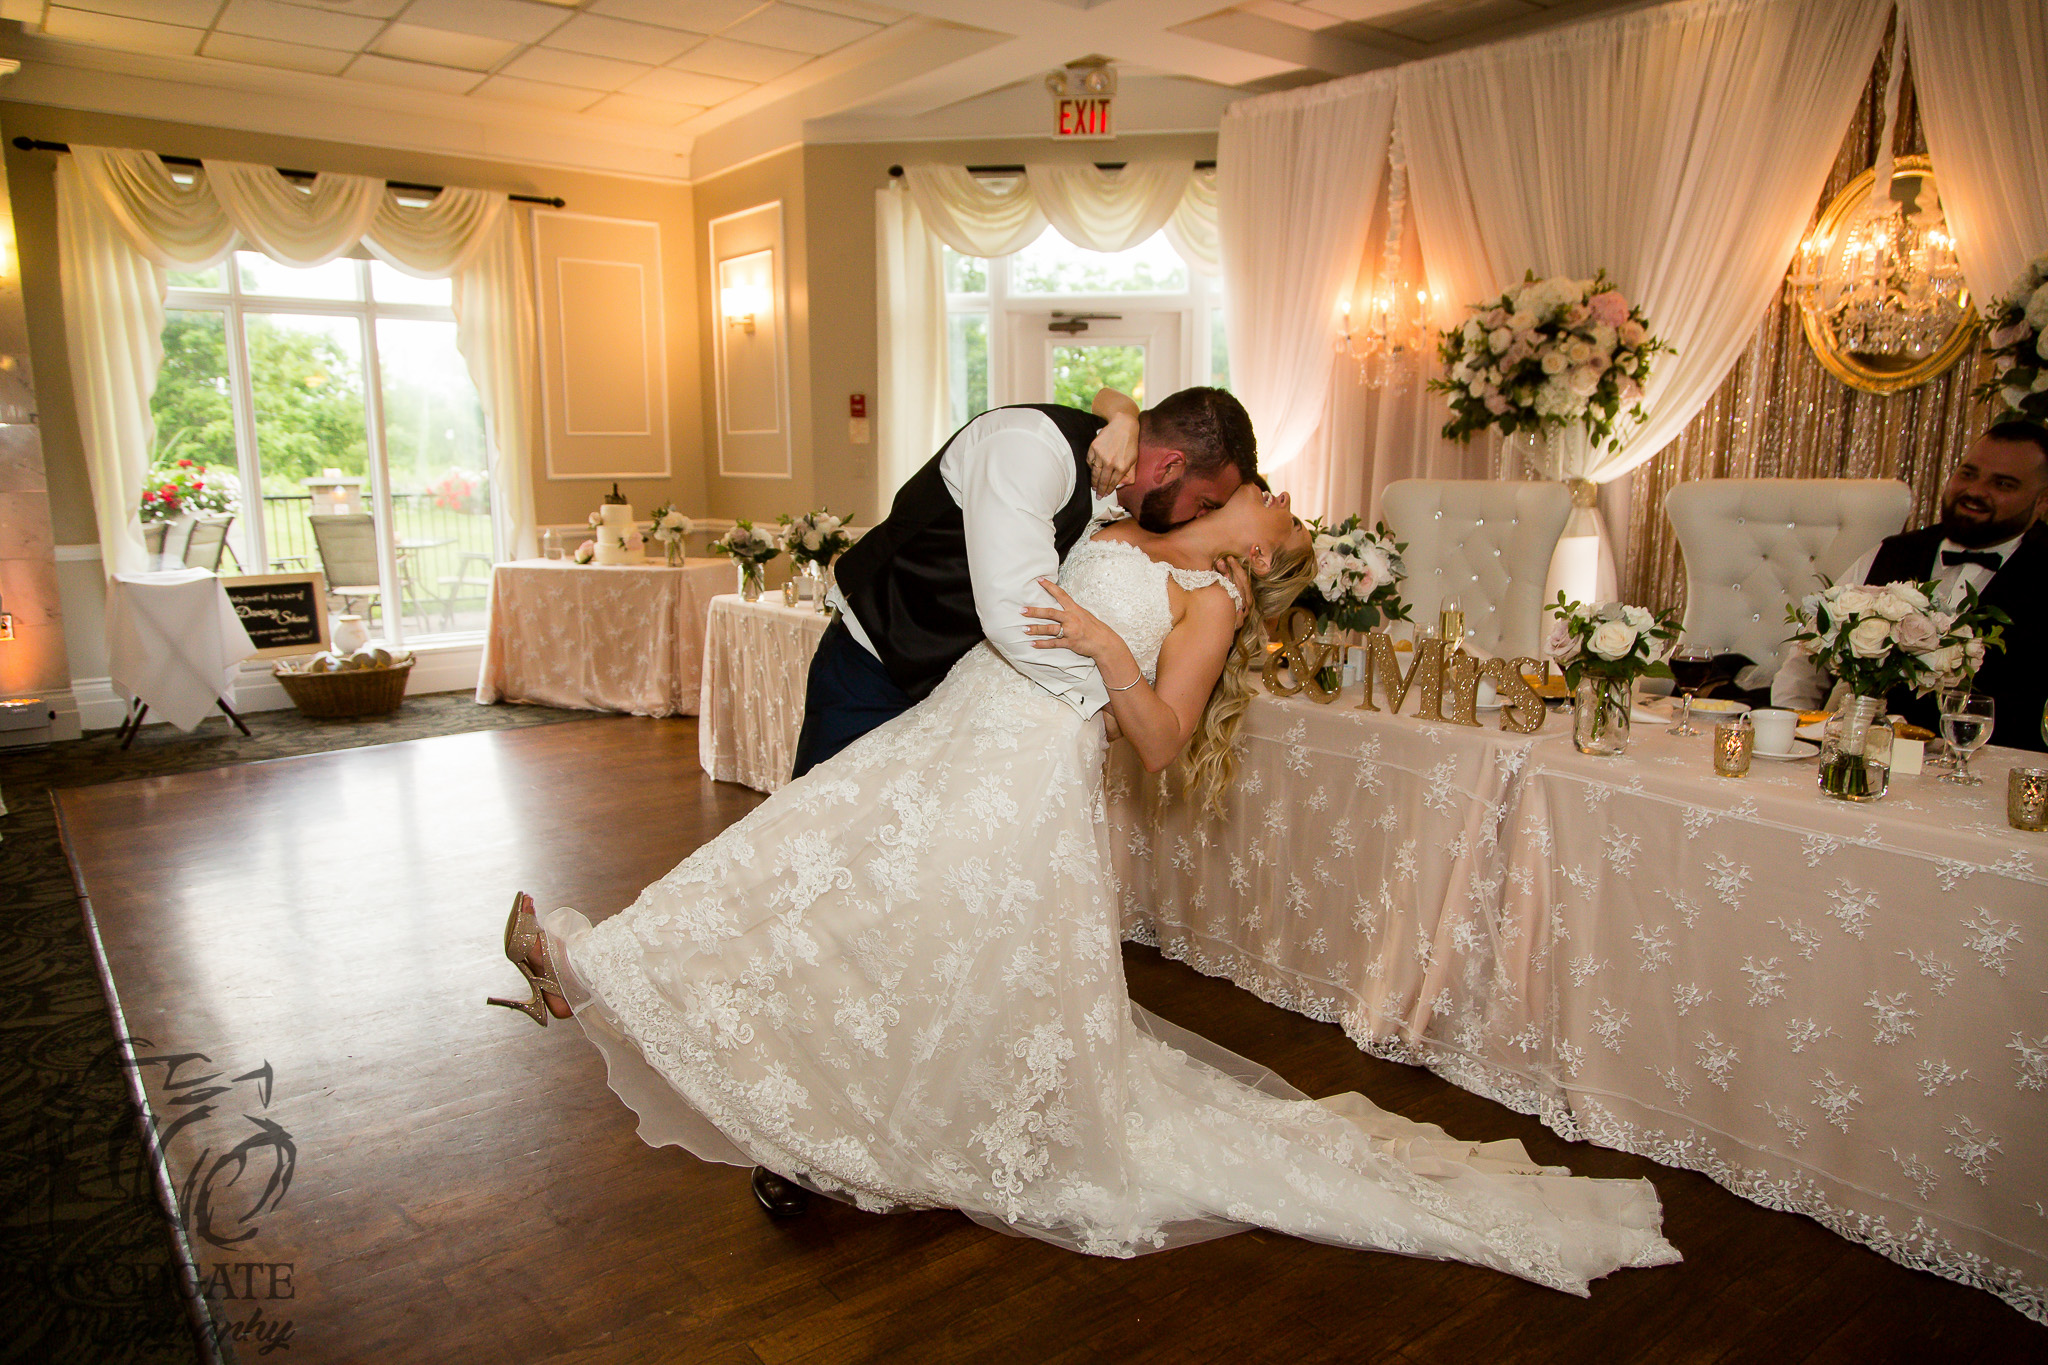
(1613, 642)
(1876, 638)
(2016, 333)
(1358, 576)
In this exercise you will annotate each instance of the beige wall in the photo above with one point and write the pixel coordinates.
(839, 184)
(32, 180)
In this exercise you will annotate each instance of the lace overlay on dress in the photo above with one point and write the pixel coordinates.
(899, 980)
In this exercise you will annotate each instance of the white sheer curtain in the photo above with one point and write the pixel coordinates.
(1297, 175)
(934, 205)
(1981, 70)
(122, 221)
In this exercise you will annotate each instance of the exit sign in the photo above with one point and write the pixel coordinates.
(1081, 119)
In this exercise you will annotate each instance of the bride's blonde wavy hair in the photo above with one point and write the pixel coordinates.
(1210, 759)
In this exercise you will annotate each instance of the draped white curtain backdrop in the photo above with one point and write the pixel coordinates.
(1981, 70)
(122, 222)
(934, 205)
(1297, 176)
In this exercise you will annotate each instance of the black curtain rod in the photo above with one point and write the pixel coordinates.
(30, 144)
(896, 172)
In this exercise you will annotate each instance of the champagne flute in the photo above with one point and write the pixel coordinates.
(1689, 669)
(1450, 617)
(1967, 728)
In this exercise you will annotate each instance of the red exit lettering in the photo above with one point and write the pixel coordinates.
(1083, 118)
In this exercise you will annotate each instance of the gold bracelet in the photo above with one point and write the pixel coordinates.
(1129, 685)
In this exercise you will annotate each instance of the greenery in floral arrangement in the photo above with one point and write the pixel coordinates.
(187, 488)
(2016, 333)
(747, 543)
(1895, 635)
(815, 537)
(1358, 576)
(1613, 641)
(1547, 354)
(670, 527)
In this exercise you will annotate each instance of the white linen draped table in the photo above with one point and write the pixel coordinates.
(173, 643)
(599, 637)
(1829, 1008)
(757, 656)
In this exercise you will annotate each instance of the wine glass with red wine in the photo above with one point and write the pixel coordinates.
(1690, 666)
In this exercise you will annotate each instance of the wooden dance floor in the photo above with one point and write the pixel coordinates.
(463, 1187)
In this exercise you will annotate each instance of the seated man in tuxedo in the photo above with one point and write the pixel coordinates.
(1990, 536)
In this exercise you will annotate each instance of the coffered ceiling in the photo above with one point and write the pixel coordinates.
(682, 88)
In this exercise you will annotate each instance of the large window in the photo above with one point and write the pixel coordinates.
(1003, 345)
(335, 392)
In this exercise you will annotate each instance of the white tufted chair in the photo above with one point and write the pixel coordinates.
(1486, 541)
(1752, 545)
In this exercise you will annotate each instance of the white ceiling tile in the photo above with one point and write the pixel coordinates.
(639, 109)
(235, 47)
(417, 75)
(130, 35)
(536, 92)
(698, 16)
(800, 30)
(1300, 16)
(1361, 10)
(514, 20)
(296, 24)
(573, 68)
(565, 4)
(193, 13)
(628, 42)
(742, 61)
(857, 9)
(368, 9)
(687, 87)
(441, 48)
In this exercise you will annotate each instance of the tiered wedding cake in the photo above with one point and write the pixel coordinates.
(618, 539)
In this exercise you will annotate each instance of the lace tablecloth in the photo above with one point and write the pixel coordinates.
(756, 658)
(1828, 1008)
(599, 637)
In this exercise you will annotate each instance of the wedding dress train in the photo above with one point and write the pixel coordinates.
(899, 981)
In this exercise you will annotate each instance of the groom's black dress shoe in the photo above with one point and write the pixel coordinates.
(780, 1197)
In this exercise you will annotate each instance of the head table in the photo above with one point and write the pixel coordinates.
(1832, 1009)
(599, 637)
(1829, 1008)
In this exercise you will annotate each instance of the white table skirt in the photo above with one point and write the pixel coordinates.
(599, 637)
(173, 641)
(757, 656)
(1828, 1008)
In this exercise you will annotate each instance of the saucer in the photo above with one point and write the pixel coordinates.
(1800, 749)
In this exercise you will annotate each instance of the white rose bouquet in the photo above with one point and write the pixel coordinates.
(2016, 333)
(1358, 575)
(815, 537)
(747, 543)
(670, 526)
(1876, 638)
(1547, 354)
(1613, 641)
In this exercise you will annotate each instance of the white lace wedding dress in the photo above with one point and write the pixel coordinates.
(899, 981)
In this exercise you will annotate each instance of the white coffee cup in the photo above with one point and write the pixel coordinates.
(1488, 697)
(1774, 730)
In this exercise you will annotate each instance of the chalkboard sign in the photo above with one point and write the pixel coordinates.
(284, 613)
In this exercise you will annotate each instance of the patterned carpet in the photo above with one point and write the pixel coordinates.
(89, 1268)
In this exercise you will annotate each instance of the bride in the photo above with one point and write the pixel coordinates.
(898, 980)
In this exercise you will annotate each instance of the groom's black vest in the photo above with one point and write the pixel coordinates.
(2017, 676)
(907, 582)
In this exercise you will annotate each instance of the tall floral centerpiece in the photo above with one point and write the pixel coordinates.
(1558, 361)
(815, 539)
(1877, 638)
(750, 547)
(1602, 651)
(2016, 333)
(671, 528)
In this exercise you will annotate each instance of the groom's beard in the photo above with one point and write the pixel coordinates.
(1155, 512)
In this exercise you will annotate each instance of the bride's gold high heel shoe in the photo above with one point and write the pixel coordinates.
(522, 937)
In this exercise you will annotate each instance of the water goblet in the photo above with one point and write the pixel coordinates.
(1967, 727)
(1939, 755)
(1689, 669)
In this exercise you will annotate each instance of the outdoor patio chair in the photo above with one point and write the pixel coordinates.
(347, 543)
(205, 541)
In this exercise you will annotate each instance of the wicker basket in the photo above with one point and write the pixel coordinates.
(353, 692)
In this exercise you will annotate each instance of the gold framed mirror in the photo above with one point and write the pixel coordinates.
(1880, 296)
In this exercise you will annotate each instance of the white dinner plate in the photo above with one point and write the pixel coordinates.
(1800, 749)
(1813, 731)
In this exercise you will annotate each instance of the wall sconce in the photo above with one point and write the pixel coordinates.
(741, 303)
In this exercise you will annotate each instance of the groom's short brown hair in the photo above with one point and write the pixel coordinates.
(1209, 426)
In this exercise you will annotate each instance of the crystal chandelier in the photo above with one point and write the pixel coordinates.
(1396, 327)
(1883, 280)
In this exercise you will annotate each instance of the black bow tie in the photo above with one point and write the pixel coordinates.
(1951, 558)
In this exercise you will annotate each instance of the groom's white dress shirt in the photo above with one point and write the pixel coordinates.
(1011, 471)
(1800, 686)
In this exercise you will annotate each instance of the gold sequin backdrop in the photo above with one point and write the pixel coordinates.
(1780, 415)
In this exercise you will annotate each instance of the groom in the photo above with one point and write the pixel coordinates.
(960, 554)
